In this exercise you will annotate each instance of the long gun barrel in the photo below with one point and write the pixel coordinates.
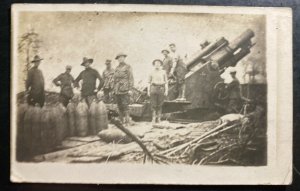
(224, 53)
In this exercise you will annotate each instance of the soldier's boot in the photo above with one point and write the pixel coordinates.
(158, 115)
(181, 89)
(121, 116)
(153, 116)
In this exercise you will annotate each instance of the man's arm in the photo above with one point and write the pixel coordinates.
(56, 80)
(77, 80)
(72, 81)
(131, 80)
(149, 84)
(28, 80)
(174, 63)
(166, 84)
(101, 81)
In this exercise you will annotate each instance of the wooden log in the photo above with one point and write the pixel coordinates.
(119, 125)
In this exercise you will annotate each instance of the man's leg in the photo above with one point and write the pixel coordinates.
(106, 95)
(120, 108)
(64, 100)
(153, 115)
(160, 101)
(30, 100)
(125, 103)
(90, 99)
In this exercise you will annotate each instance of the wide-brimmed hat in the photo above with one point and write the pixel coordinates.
(36, 59)
(161, 62)
(172, 44)
(86, 60)
(232, 71)
(107, 61)
(120, 54)
(165, 50)
(68, 67)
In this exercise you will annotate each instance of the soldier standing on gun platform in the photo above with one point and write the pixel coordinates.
(123, 83)
(167, 61)
(178, 70)
(35, 84)
(89, 77)
(157, 89)
(108, 77)
(65, 81)
(233, 89)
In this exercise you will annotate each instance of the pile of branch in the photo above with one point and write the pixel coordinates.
(182, 149)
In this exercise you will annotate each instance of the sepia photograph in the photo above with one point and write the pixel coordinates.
(149, 88)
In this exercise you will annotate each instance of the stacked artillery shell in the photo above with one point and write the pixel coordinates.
(93, 130)
(101, 117)
(36, 130)
(48, 131)
(82, 119)
(61, 123)
(27, 133)
(22, 108)
(71, 112)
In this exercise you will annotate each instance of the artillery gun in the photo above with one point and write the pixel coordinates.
(204, 69)
(204, 90)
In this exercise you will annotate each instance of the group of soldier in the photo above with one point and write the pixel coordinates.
(116, 83)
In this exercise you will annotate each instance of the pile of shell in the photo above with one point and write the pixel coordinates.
(41, 130)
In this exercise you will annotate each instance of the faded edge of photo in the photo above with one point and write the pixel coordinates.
(280, 117)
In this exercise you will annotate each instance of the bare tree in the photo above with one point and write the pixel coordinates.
(28, 46)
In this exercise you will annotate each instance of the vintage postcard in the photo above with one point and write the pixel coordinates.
(151, 94)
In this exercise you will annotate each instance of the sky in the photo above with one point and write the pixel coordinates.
(67, 37)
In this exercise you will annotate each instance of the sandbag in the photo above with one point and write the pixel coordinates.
(114, 135)
(61, 123)
(82, 119)
(93, 130)
(48, 131)
(22, 108)
(101, 117)
(71, 112)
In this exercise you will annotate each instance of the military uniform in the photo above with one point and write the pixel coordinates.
(123, 82)
(35, 81)
(66, 92)
(179, 72)
(234, 96)
(167, 64)
(89, 77)
(108, 77)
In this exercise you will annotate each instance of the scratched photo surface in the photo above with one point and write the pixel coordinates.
(90, 91)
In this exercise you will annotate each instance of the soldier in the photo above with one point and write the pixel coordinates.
(234, 96)
(179, 71)
(89, 78)
(108, 75)
(35, 84)
(123, 83)
(65, 81)
(157, 89)
(167, 61)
